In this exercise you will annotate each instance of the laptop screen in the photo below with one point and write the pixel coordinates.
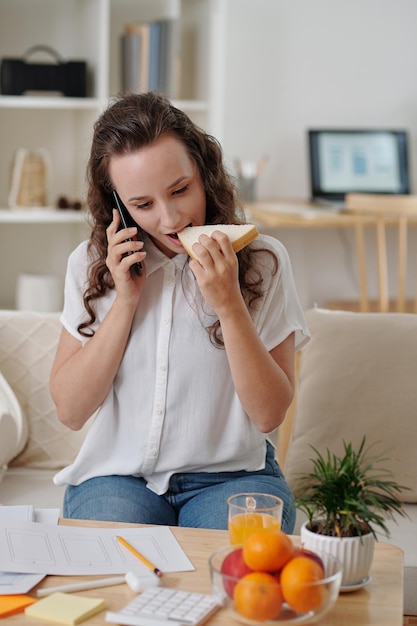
(363, 161)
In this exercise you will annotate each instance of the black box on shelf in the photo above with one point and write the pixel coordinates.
(18, 76)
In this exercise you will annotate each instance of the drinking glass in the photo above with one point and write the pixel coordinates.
(248, 512)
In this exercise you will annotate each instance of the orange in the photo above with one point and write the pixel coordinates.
(299, 584)
(267, 550)
(258, 596)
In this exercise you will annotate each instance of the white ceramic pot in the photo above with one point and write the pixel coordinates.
(355, 553)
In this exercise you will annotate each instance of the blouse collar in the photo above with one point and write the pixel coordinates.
(155, 258)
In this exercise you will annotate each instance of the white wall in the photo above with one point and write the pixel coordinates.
(297, 64)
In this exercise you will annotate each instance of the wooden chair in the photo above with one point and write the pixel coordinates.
(380, 211)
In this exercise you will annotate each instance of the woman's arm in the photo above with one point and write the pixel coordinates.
(264, 381)
(82, 376)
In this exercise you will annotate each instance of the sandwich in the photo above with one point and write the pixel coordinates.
(239, 234)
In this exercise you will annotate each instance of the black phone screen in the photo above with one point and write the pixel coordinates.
(126, 222)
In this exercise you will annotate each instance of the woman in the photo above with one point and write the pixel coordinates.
(187, 365)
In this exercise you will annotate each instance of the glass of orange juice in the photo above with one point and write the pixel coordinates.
(249, 512)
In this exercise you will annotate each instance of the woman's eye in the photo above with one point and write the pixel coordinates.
(144, 205)
(179, 191)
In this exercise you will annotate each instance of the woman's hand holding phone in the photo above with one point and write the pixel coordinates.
(123, 253)
(126, 222)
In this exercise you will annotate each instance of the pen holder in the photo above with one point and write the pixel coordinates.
(248, 173)
(247, 187)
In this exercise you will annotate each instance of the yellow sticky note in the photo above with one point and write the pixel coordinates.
(65, 608)
(9, 605)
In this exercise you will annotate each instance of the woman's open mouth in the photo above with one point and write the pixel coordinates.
(174, 237)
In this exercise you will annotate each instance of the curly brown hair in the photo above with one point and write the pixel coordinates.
(131, 122)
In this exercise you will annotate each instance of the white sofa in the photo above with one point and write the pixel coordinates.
(357, 375)
(34, 445)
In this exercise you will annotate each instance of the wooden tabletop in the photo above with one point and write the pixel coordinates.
(304, 214)
(380, 603)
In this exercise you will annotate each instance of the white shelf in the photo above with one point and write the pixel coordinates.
(90, 30)
(45, 102)
(42, 216)
(88, 104)
(87, 30)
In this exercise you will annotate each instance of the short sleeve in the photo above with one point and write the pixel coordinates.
(75, 284)
(280, 312)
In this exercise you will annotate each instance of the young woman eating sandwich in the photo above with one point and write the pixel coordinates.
(182, 365)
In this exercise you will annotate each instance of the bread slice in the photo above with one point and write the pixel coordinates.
(239, 234)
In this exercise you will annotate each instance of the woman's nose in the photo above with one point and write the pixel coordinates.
(170, 217)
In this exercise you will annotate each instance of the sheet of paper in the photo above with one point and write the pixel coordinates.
(22, 512)
(27, 513)
(46, 516)
(46, 549)
(13, 582)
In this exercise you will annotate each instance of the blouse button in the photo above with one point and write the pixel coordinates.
(153, 452)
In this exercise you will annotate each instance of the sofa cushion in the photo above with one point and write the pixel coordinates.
(13, 425)
(358, 377)
(28, 342)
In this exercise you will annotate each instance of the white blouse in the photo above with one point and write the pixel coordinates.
(172, 407)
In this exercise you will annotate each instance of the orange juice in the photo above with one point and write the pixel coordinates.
(242, 525)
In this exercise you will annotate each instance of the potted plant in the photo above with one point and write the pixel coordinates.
(346, 499)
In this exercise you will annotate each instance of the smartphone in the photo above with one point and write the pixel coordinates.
(126, 221)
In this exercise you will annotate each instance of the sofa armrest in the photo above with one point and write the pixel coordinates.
(285, 429)
(14, 431)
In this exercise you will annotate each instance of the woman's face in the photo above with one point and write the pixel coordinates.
(162, 189)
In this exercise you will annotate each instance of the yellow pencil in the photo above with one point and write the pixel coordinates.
(140, 556)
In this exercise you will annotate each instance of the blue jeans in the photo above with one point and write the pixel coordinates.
(196, 500)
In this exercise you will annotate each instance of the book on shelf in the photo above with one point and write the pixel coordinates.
(149, 57)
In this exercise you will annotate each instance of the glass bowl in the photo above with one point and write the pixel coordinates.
(317, 597)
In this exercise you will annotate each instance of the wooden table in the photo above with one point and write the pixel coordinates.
(380, 603)
(299, 214)
(304, 214)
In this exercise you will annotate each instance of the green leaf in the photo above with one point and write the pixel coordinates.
(349, 494)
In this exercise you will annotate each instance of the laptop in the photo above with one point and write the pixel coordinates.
(357, 160)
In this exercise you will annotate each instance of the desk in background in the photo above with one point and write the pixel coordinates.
(300, 214)
(339, 265)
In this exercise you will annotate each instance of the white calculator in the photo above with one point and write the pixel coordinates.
(159, 606)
